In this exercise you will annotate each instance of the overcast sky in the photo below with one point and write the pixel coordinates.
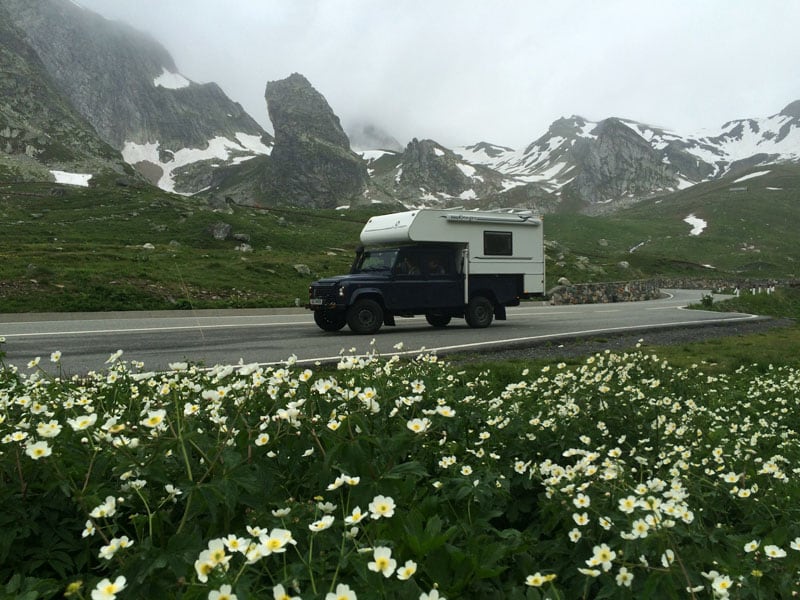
(463, 71)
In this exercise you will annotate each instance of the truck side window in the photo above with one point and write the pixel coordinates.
(407, 265)
(497, 243)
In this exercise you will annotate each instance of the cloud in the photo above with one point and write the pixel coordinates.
(462, 71)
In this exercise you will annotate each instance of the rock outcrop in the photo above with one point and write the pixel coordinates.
(39, 129)
(311, 163)
(127, 86)
(617, 162)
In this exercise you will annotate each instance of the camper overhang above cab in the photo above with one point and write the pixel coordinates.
(433, 225)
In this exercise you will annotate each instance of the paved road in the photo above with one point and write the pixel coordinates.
(86, 340)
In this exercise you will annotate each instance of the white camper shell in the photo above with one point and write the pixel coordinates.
(506, 242)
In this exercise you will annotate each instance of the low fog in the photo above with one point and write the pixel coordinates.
(463, 71)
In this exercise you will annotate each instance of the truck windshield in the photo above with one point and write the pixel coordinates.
(375, 260)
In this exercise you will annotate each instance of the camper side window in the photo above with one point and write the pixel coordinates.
(497, 243)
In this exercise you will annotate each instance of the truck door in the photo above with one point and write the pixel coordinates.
(445, 286)
(406, 291)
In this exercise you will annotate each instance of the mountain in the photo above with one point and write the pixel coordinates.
(123, 82)
(427, 173)
(41, 132)
(619, 161)
(311, 164)
(85, 89)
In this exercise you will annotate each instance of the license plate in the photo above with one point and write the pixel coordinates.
(315, 301)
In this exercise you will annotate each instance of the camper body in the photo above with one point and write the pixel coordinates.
(443, 264)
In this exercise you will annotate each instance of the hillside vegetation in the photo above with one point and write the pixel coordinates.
(68, 249)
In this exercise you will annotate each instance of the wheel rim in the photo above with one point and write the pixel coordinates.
(366, 318)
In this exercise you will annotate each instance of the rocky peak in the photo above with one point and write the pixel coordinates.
(792, 110)
(296, 109)
(311, 164)
(616, 162)
(427, 164)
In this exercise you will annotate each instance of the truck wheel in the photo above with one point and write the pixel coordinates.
(328, 320)
(365, 316)
(480, 312)
(437, 320)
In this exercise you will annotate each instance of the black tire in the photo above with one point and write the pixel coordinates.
(365, 316)
(328, 320)
(437, 320)
(480, 312)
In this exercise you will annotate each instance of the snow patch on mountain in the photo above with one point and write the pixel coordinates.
(80, 179)
(698, 224)
(171, 81)
(219, 148)
(751, 176)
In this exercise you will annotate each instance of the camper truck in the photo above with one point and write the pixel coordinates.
(443, 264)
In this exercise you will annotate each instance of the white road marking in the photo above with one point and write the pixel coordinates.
(642, 328)
(144, 329)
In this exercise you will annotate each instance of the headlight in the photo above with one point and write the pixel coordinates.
(341, 291)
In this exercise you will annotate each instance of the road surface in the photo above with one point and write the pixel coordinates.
(271, 336)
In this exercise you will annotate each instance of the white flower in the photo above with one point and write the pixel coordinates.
(580, 518)
(355, 517)
(418, 425)
(667, 558)
(407, 570)
(82, 422)
(628, 504)
(106, 590)
(322, 524)
(38, 450)
(603, 555)
(275, 542)
(280, 593)
(752, 546)
(154, 418)
(109, 550)
(343, 592)
(581, 501)
(624, 577)
(774, 551)
(381, 506)
(106, 509)
(224, 593)
(538, 580)
(50, 429)
(721, 584)
(88, 529)
(382, 561)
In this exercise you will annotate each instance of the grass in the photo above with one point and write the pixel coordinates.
(72, 249)
(86, 251)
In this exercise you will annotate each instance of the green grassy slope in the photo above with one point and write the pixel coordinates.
(65, 248)
(85, 251)
(751, 232)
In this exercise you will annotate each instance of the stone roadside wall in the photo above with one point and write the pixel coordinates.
(650, 289)
(600, 293)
